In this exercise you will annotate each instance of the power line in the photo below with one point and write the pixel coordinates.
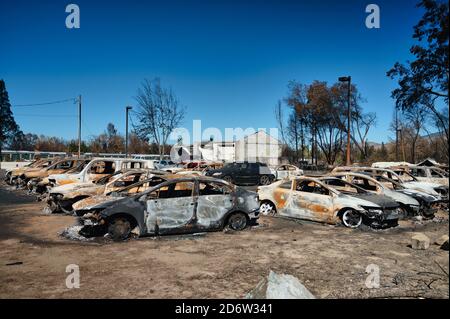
(46, 115)
(74, 99)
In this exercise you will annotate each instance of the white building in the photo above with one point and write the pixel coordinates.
(257, 147)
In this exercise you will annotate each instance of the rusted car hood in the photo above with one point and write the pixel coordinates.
(60, 178)
(95, 202)
(65, 189)
(22, 170)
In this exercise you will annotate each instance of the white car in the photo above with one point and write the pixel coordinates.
(423, 174)
(286, 171)
(96, 169)
(440, 191)
(408, 203)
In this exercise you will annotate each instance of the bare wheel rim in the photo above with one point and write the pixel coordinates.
(352, 219)
(237, 221)
(120, 229)
(267, 209)
(67, 210)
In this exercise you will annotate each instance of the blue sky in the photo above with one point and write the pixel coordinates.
(229, 62)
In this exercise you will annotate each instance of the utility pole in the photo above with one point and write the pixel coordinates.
(396, 134)
(348, 79)
(126, 130)
(403, 145)
(79, 126)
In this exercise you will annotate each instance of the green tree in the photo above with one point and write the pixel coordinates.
(8, 126)
(424, 81)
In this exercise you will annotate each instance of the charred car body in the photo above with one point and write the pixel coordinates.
(14, 176)
(92, 204)
(407, 180)
(286, 171)
(409, 200)
(178, 206)
(37, 181)
(97, 168)
(424, 174)
(62, 198)
(429, 204)
(313, 199)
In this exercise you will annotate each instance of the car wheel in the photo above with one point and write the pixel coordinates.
(267, 209)
(228, 179)
(119, 229)
(403, 212)
(51, 207)
(352, 219)
(237, 221)
(264, 180)
(67, 209)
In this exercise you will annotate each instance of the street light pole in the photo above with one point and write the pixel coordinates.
(126, 130)
(79, 126)
(348, 79)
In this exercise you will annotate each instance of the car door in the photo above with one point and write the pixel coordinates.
(437, 177)
(253, 173)
(123, 181)
(282, 196)
(241, 173)
(170, 208)
(312, 201)
(100, 169)
(282, 172)
(214, 201)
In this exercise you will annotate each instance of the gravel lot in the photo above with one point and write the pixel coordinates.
(329, 260)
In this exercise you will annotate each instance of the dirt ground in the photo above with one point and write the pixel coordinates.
(329, 260)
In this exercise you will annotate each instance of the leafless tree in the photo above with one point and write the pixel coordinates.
(159, 113)
(414, 121)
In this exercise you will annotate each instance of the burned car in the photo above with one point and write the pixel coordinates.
(423, 174)
(62, 198)
(97, 168)
(16, 174)
(41, 186)
(178, 206)
(409, 201)
(92, 204)
(34, 178)
(429, 204)
(407, 180)
(286, 171)
(312, 199)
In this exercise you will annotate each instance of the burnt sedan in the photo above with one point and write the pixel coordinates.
(178, 206)
(320, 200)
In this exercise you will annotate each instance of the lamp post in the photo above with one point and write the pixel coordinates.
(127, 109)
(348, 80)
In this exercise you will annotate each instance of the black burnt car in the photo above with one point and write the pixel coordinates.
(244, 173)
(177, 206)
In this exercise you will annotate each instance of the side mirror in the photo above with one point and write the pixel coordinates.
(143, 198)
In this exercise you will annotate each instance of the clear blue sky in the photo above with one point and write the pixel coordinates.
(228, 61)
